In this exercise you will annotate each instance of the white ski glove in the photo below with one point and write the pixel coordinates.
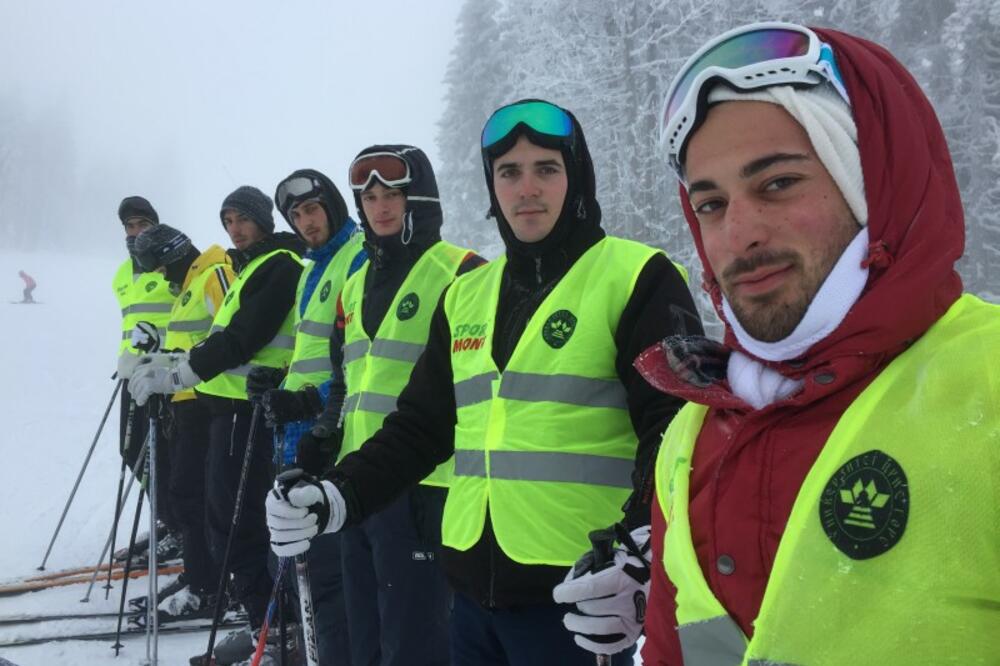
(609, 586)
(128, 362)
(297, 513)
(145, 337)
(161, 373)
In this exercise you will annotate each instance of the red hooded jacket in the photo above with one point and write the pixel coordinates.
(749, 464)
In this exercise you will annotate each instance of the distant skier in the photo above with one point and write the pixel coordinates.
(29, 286)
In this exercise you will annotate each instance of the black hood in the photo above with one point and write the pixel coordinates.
(281, 240)
(330, 198)
(422, 224)
(580, 215)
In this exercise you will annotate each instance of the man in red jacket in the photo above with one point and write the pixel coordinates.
(833, 476)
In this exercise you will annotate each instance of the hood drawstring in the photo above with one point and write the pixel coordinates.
(878, 255)
(407, 235)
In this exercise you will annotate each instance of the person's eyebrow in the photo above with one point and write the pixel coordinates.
(758, 165)
(549, 162)
(749, 170)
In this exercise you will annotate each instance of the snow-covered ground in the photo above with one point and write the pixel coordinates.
(56, 361)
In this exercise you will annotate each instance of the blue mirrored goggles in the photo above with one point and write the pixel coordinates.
(542, 117)
(751, 57)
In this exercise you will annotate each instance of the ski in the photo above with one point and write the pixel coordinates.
(110, 635)
(116, 574)
(35, 619)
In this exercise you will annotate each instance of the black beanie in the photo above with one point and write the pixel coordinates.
(159, 246)
(137, 207)
(253, 203)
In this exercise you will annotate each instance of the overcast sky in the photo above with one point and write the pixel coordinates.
(183, 101)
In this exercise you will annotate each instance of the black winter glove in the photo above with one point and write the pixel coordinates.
(281, 407)
(262, 379)
(318, 450)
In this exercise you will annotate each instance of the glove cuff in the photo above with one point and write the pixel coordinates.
(337, 507)
(183, 376)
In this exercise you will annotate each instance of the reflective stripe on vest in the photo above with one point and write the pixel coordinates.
(548, 444)
(275, 354)
(377, 370)
(858, 558)
(141, 297)
(310, 362)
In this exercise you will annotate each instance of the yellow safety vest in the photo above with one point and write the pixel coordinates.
(141, 297)
(377, 370)
(204, 287)
(892, 551)
(547, 443)
(310, 362)
(277, 353)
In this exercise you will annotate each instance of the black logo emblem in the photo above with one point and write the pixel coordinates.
(175, 289)
(558, 328)
(150, 286)
(186, 297)
(324, 293)
(864, 506)
(408, 306)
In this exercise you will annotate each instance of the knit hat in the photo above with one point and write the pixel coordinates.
(253, 203)
(137, 207)
(159, 246)
(827, 120)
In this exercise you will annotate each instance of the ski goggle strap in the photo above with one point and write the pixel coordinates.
(294, 188)
(542, 117)
(391, 169)
(751, 57)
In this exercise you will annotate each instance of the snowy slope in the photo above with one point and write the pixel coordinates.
(56, 359)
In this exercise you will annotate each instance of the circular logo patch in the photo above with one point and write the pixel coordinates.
(150, 286)
(558, 328)
(408, 306)
(864, 506)
(186, 297)
(175, 289)
(325, 292)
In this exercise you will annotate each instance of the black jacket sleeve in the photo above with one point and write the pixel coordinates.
(661, 305)
(265, 300)
(413, 440)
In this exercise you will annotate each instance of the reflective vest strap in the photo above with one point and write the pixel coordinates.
(319, 329)
(366, 401)
(567, 389)
(470, 462)
(312, 365)
(397, 350)
(189, 326)
(137, 308)
(473, 390)
(714, 642)
(281, 342)
(561, 468)
(355, 350)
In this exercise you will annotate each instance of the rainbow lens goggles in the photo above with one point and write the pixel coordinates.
(542, 117)
(751, 57)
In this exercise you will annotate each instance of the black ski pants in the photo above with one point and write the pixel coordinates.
(189, 452)
(229, 430)
(395, 590)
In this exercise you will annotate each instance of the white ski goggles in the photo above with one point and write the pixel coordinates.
(751, 57)
(292, 189)
(389, 168)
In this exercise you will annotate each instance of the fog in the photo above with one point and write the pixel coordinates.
(182, 102)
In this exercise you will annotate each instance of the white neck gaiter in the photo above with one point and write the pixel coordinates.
(759, 385)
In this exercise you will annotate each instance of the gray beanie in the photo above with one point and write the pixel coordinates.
(159, 246)
(253, 203)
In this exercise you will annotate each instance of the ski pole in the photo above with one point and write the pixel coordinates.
(237, 510)
(152, 614)
(108, 544)
(79, 476)
(275, 591)
(118, 496)
(128, 568)
(287, 480)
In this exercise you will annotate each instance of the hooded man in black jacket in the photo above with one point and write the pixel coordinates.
(527, 379)
(393, 582)
(253, 327)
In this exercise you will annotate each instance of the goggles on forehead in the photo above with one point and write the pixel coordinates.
(389, 168)
(751, 57)
(542, 117)
(295, 188)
